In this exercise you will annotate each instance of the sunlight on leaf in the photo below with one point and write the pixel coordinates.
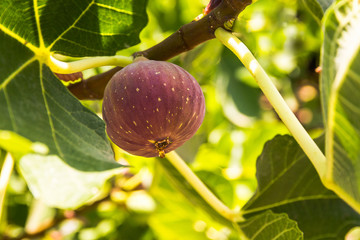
(86, 28)
(340, 83)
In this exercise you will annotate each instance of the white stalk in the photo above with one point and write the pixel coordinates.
(201, 188)
(287, 116)
(61, 67)
(5, 175)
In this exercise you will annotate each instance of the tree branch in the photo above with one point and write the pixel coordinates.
(196, 32)
(186, 38)
(93, 87)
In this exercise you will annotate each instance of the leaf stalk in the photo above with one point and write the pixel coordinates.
(61, 67)
(266, 85)
(5, 175)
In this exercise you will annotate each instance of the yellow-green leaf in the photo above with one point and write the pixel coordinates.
(340, 83)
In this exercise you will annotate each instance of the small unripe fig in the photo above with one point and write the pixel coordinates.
(152, 107)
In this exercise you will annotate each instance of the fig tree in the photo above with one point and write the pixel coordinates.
(152, 107)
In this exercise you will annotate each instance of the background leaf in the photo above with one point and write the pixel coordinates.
(287, 182)
(340, 80)
(18, 145)
(59, 185)
(325, 4)
(240, 100)
(317, 7)
(268, 226)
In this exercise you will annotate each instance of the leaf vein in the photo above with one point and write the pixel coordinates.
(12, 34)
(279, 175)
(37, 19)
(11, 114)
(16, 72)
(283, 233)
(298, 183)
(53, 131)
(349, 104)
(100, 33)
(71, 132)
(354, 75)
(118, 10)
(72, 25)
(288, 201)
(82, 46)
(265, 226)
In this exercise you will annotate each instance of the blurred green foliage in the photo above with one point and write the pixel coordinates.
(142, 203)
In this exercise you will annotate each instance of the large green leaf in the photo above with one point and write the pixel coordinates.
(340, 82)
(317, 7)
(287, 182)
(76, 28)
(34, 103)
(268, 226)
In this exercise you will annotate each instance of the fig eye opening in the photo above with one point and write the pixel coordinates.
(161, 145)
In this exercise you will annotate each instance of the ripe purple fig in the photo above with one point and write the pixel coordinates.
(151, 108)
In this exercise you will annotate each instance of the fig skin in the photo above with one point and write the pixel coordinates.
(152, 107)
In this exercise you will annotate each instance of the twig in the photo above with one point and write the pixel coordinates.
(93, 87)
(196, 32)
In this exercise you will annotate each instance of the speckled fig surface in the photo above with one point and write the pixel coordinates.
(151, 108)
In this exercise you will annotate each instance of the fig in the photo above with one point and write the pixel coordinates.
(152, 107)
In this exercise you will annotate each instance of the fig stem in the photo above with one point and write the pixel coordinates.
(202, 189)
(61, 67)
(6, 171)
(308, 145)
